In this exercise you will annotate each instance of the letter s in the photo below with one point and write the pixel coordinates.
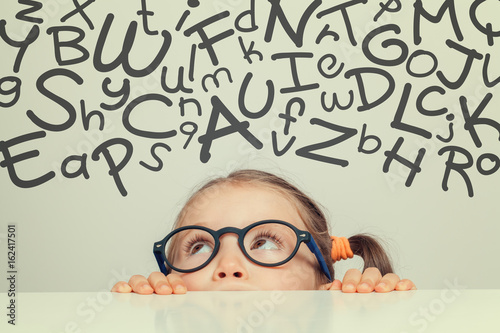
(40, 84)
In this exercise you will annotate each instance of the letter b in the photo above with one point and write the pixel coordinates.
(58, 44)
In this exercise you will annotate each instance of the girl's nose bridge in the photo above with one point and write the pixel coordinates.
(229, 230)
(228, 240)
(230, 259)
(229, 235)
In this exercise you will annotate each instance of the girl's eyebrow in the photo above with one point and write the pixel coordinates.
(201, 224)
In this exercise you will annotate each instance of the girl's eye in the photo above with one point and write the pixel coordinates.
(265, 243)
(198, 248)
(198, 244)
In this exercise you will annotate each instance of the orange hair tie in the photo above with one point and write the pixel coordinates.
(340, 248)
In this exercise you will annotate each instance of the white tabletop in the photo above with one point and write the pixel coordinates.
(448, 310)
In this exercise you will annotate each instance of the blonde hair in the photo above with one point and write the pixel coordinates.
(312, 216)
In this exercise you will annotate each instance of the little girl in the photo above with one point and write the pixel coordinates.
(253, 230)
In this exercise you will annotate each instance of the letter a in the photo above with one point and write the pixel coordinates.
(218, 108)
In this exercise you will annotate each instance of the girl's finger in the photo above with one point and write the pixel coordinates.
(387, 283)
(351, 280)
(336, 285)
(121, 287)
(159, 282)
(370, 278)
(140, 285)
(177, 283)
(405, 285)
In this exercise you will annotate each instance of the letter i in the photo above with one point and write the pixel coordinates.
(192, 4)
(182, 20)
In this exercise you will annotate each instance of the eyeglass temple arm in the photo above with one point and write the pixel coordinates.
(311, 244)
(157, 251)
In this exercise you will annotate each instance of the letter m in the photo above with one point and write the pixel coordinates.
(420, 11)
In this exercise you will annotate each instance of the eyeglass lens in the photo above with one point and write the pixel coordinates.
(268, 243)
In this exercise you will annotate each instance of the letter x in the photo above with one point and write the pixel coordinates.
(79, 9)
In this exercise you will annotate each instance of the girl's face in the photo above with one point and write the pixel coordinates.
(238, 206)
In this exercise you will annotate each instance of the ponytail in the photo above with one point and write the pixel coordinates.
(373, 254)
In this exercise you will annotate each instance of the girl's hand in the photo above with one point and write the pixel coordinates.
(371, 280)
(354, 281)
(155, 283)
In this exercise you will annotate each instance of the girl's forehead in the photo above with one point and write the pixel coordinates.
(239, 205)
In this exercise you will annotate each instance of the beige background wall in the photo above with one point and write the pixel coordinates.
(78, 234)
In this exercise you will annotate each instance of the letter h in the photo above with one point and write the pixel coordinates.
(414, 166)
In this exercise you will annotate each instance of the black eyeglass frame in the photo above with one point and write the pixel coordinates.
(302, 237)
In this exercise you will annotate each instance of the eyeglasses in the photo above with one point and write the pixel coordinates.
(268, 243)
